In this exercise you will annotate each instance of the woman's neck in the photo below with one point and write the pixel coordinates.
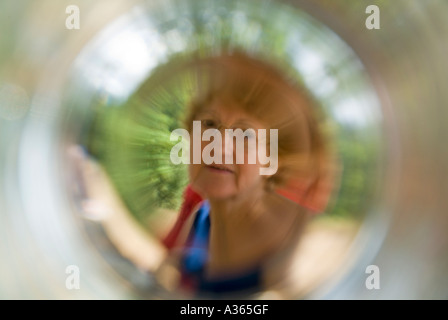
(239, 231)
(239, 208)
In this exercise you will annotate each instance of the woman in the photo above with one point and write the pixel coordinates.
(238, 229)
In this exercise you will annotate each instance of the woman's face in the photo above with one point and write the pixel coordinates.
(221, 181)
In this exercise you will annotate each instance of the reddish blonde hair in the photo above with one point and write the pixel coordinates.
(264, 92)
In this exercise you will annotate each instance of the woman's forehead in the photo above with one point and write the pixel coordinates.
(228, 111)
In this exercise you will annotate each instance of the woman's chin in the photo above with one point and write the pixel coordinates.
(215, 191)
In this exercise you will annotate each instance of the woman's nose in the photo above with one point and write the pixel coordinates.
(227, 148)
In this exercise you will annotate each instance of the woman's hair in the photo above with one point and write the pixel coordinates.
(264, 92)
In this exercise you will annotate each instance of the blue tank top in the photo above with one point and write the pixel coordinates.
(195, 258)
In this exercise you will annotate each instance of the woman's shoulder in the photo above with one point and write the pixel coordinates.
(287, 210)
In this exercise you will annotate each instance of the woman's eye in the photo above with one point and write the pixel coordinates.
(249, 133)
(209, 123)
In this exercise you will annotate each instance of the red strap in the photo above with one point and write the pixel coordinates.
(313, 196)
(191, 199)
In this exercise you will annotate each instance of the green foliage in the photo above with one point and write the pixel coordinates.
(358, 155)
(132, 141)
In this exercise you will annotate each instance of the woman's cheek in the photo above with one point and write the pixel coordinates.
(248, 174)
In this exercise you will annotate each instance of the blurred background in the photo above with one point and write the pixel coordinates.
(86, 115)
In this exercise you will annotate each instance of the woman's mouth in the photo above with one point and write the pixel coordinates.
(219, 169)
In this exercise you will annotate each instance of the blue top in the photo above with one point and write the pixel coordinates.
(195, 258)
